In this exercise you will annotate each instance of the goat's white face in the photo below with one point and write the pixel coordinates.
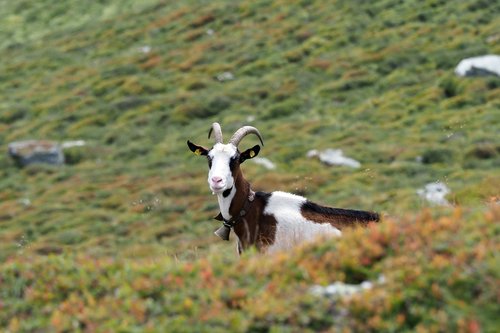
(223, 161)
(220, 159)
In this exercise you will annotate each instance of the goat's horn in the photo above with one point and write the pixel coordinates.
(242, 132)
(217, 132)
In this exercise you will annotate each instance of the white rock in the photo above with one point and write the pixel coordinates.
(145, 49)
(25, 202)
(341, 289)
(70, 144)
(312, 153)
(435, 193)
(333, 157)
(266, 163)
(482, 65)
(225, 76)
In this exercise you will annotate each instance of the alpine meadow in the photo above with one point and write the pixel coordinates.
(359, 107)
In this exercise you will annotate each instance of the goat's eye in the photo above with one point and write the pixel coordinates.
(209, 162)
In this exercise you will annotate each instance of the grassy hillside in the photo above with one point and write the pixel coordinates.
(136, 80)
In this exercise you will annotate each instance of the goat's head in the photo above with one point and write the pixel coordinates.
(224, 159)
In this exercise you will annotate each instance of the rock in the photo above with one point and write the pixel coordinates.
(71, 144)
(145, 49)
(435, 193)
(333, 157)
(341, 289)
(266, 163)
(479, 66)
(312, 153)
(36, 151)
(25, 202)
(225, 76)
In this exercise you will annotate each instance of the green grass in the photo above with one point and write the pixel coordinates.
(372, 78)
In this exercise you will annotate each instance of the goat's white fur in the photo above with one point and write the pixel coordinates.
(225, 203)
(292, 228)
(221, 155)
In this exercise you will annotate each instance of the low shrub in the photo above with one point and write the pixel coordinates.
(426, 274)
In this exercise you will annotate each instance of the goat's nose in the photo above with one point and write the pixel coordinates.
(216, 180)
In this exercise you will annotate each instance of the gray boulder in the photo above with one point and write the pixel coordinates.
(479, 66)
(36, 151)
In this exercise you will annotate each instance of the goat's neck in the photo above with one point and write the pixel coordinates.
(232, 204)
(247, 229)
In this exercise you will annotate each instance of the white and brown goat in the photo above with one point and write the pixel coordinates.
(273, 221)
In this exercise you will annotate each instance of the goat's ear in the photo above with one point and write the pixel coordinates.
(249, 153)
(198, 150)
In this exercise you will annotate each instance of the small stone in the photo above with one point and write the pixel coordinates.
(266, 163)
(435, 193)
(333, 157)
(225, 76)
(341, 289)
(145, 49)
(312, 153)
(71, 144)
(25, 202)
(36, 151)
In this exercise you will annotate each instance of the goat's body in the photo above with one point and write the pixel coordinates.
(280, 221)
(292, 228)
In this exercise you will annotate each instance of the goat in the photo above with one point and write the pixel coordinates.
(271, 222)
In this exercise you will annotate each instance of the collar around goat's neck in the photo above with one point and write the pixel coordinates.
(224, 231)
